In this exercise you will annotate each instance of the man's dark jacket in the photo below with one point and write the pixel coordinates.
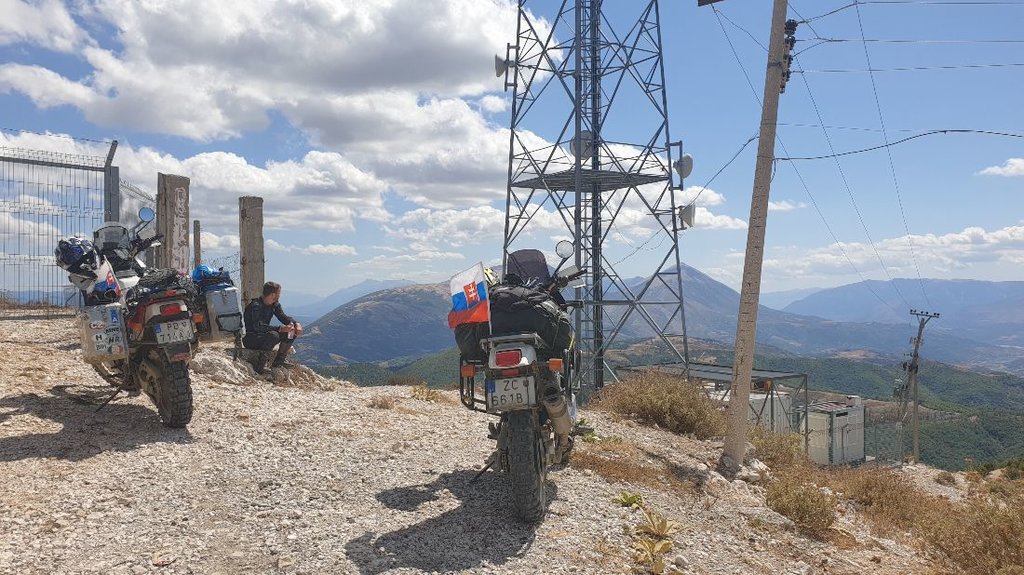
(258, 315)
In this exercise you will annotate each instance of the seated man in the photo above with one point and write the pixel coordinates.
(260, 335)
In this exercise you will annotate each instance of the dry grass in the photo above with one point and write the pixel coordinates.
(382, 402)
(668, 402)
(424, 393)
(782, 450)
(620, 461)
(811, 510)
(946, 478)
(981, 536)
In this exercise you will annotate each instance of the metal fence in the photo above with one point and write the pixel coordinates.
(45, 196)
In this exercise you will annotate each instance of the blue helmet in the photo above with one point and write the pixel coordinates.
(71, 251)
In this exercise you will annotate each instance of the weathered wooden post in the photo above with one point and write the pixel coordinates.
(197, 247)
(250, 251)
(172, 221)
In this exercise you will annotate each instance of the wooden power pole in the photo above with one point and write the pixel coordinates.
(922, 318)
(746, 324)
(250, 251)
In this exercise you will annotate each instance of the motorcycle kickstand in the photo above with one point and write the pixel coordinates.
(111, 398)
(490, 462)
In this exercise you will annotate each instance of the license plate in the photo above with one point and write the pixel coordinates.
(173, 331)
(512, 393)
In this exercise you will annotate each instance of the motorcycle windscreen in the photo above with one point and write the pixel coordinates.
(528, 264)
(111, 237)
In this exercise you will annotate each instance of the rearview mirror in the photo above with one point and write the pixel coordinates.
(565, 249)
(147, 214)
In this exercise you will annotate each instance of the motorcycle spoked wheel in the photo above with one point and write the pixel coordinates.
(527, 465)
(171, 390)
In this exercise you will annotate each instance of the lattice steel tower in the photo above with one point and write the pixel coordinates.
(589, 159)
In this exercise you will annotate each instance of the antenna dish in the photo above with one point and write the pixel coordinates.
(586, 139)
(683, 166)
(686, 214)
(500, 66)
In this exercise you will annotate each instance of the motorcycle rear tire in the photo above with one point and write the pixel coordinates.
(527, 465)
(174, 394)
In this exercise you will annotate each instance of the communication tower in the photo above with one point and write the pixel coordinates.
(591, 159)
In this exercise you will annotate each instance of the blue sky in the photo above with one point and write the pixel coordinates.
(377, 133)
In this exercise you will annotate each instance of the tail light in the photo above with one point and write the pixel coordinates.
(555, 364)
(508, 358)
(172, 309)
(467, 370)
(198, 318)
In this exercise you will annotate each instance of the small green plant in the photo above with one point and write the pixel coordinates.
(382, 402)
(650, 553)
(589, 437)
(630, 499)
(656, 525)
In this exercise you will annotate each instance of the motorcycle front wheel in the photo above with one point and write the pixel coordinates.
(527, 465)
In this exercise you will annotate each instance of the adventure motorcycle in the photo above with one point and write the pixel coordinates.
(527, 365)
(137, 323)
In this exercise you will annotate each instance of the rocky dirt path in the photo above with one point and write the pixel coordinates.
(272, 479)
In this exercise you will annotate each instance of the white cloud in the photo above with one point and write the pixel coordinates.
(1012, 167)
(493, 104)
(322, 190)
(785, 206)
(46, 23)
(214, 242)
(313, 249)
(934, 254)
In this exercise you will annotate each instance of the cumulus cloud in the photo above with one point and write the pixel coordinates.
(1012, 167)
(46, 23)
(313, 249)
(322, 190)
(934, 253)
(785, 206)
(214, 242)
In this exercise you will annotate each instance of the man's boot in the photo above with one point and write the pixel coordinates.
(260, 363)
(282, 355)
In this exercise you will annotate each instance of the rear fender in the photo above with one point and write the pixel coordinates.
(178, 352)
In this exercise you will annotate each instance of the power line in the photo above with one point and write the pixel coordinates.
(904, 140)
(799, 176)
(910, 68)
(849, 192)
(892, 167)
(923, 2)
(722, 169)
(920, 41)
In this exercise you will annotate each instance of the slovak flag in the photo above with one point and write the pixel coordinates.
(469, 297)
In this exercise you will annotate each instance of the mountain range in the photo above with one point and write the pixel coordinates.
(410, 321)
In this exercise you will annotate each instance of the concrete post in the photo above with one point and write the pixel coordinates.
(197, 247)
(172, 221)
(250, 251)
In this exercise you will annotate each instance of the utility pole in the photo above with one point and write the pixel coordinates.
(746, 324)
(922, 318)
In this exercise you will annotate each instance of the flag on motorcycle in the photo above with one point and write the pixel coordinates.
(469, 297)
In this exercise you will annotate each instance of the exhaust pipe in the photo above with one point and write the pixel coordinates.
(558, 412)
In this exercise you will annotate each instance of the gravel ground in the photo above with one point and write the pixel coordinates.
(301, 475)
